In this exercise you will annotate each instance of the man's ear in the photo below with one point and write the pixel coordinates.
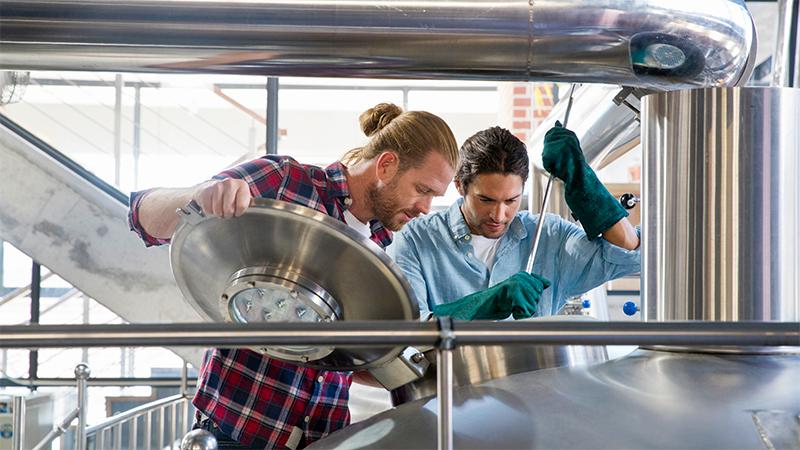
(460, 188)
(387, 165)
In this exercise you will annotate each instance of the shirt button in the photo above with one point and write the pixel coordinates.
(467, 237)
(320, 379)
(307, 419)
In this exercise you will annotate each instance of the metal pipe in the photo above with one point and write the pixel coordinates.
(784, 61)
(272, 115)
(21, 292)
(58, 430)
(82, 373)
(117, 430)
(444, 389)
(18, 423)
(379, 333)
(546, 199)
(663, 47)
(148, 430)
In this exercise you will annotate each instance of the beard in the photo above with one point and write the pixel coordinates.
(385, 203)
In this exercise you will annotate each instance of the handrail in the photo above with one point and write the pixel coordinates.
(379, 333)
(118, 419)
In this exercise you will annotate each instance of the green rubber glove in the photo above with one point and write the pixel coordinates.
(518, 295)
(589, 200)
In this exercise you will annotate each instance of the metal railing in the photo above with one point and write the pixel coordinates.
(443, 334)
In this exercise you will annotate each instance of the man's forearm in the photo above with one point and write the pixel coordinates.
(622, 234)
(157, 210)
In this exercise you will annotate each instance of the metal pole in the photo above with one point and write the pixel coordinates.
(784, 62)
(117, 128)
(444, 382)
(18, 423)
(380, 333)
(82, 373)
(272, 115)
(545, 200)
(137, 133)
(36, 290)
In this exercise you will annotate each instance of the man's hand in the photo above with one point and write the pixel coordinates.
(518, 296)
(223, 198)
(586, 196)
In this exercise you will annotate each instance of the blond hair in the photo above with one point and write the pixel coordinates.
(411, 134)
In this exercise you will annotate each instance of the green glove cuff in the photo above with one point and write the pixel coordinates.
(476, 306)
(592, 204)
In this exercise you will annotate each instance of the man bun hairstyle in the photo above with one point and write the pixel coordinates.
(494, 150)
(376, 118)
(410, 134)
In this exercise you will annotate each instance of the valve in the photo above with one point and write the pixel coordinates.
(630, 308)
(629, 201)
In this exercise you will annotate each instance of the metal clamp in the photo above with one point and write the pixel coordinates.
(628, 96)
(192, 213)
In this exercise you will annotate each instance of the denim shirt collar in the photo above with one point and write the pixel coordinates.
(459, 230)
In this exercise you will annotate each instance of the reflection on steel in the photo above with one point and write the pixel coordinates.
(721, 205)
(402, 333)
(477, 364)
(604, 129)
(701, 43)
(649, 399)
(785, 64)
(199, 440)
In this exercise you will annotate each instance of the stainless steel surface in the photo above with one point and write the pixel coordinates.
(649, 399)
(82, 373)
(18, 423)
(604, 129)
(199, 440)
(721, 205)
(280, 256)
(683, 44)
(478, 364)
(784, 59)
(388, 333)
(444, 389)
(545, 200)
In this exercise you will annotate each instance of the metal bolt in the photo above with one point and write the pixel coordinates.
(300, 312)
(417, 357)
(281, 303)
(252, 284)
(248, 306)
(267, 315)
(293, 294)
(225, 297)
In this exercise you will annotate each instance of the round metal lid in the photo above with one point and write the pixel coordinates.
(284, 262)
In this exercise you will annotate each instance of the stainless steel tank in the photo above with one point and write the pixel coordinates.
(649, 399)
(721, 204)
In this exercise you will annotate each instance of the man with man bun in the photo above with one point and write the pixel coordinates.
(246, 399)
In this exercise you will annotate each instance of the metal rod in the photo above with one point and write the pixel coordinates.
(148, 430)
(133, 433)
(18, 423)
(57, 431)
(272, 115)
(184, 377)
(380, 333)
(117, 430)
(36, 306)
(95, 382)
(160, 437)
(444, 387)
(82, 373)
(546, 199)
(173, 429)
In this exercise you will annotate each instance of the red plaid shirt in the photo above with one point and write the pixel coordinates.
(257, 400)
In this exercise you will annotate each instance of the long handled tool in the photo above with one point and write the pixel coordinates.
(545, 200)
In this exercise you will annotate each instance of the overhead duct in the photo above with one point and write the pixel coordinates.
(702, 43)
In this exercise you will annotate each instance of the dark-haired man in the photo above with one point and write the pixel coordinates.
(468, 261)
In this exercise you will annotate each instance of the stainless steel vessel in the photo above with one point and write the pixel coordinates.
(477, 364)
(721, 204)
(649, 399)
(702, 43)
(281, 262)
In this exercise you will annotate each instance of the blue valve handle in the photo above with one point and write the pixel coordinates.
(630, 308)
(586, 303)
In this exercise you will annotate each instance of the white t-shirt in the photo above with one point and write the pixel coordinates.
(484, 249)
(353, 222)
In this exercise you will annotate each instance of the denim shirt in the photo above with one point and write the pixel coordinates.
(435, 253)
